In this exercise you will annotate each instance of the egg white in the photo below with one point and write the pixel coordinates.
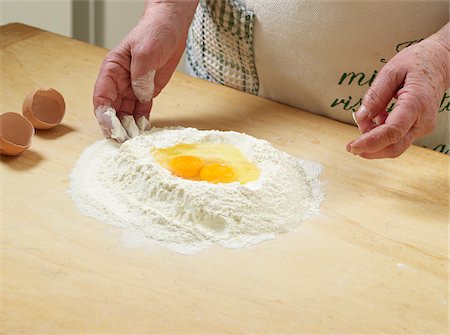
(130, 189)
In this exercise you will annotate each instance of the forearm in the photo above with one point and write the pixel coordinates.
(182, 9)
(442, 38)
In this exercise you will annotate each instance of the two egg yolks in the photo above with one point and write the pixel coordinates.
(191, 166)
(211, 162)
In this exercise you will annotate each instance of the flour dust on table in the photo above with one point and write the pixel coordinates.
(187, 189)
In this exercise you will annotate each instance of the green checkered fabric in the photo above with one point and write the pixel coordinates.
(220, 45)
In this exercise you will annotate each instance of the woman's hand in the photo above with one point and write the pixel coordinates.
(417, 77)
(136, 71)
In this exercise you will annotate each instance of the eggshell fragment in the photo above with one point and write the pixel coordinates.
(44, 108)
(15, 134)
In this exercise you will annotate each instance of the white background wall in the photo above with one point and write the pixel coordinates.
(114, 19)
(52, 15)
(102, 22)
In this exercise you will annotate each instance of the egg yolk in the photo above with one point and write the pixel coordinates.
(217, 173)
(186, 166)
(211, 162)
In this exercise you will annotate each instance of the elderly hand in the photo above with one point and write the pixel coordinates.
(417, 77)
(136, 71)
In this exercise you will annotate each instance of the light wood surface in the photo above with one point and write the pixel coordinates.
(374, 261)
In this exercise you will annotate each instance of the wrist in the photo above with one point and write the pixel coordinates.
(443, 37)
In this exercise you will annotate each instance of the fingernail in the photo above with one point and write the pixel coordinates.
(354, 119)
(349, 147)
(99, 111)
(380, 119)
(361, 114)
(353, 149)
(108, 120)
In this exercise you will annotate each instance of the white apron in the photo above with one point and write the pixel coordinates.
(320, 56)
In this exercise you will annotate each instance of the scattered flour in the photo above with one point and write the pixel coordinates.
(124, 186)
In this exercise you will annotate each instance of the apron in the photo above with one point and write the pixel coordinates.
(319, 56)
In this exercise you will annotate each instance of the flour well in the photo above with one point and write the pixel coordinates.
(125, 187)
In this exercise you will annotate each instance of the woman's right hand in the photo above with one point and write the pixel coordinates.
(136, 71)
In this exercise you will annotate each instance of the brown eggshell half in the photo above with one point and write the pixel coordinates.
(44, 108)
(15, 134)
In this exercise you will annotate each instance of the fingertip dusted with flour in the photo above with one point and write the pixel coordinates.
(143, 123)
(110, 123)
(130, 126)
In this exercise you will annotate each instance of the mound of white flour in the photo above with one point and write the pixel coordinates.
(125, 187)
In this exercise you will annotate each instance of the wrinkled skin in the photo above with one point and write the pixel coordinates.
(156, 43)
(417, 77)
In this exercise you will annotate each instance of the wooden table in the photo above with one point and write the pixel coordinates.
(374, 261)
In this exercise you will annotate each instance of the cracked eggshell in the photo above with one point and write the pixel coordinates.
(44, 108)
(15, 134)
